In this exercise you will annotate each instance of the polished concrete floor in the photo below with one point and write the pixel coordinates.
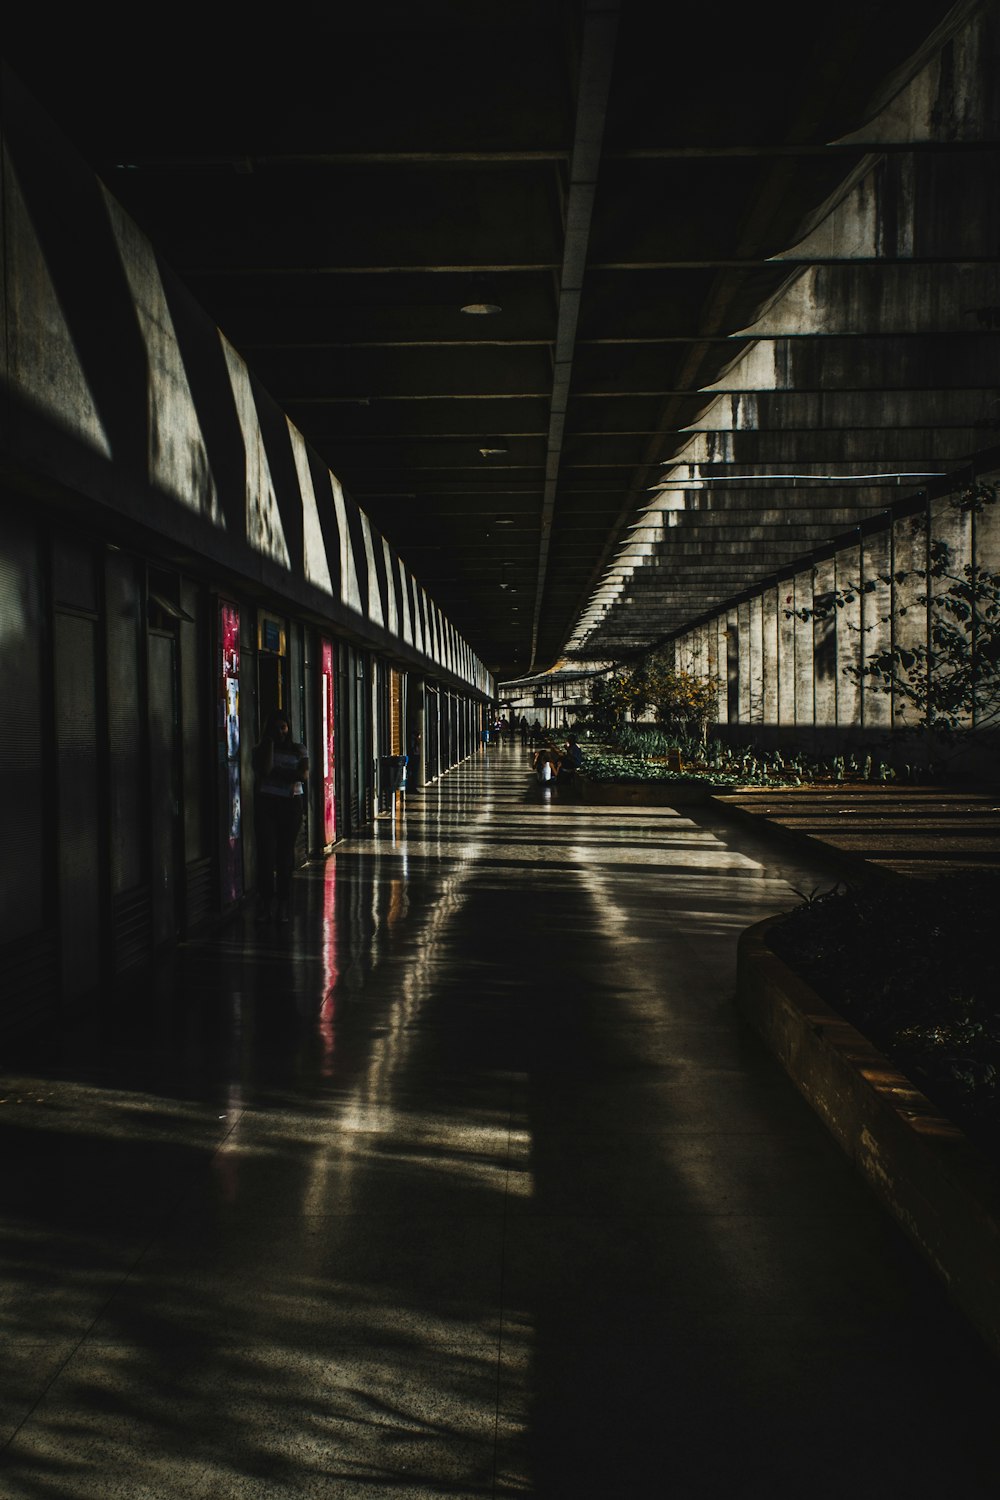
(468, 1183)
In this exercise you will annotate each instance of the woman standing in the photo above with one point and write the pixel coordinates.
(281, 766)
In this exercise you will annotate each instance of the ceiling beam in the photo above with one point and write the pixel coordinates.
(600, 31)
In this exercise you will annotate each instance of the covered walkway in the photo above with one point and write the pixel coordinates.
(469, 1182)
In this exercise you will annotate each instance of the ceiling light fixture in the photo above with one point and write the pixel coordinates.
(493, 448)
(482, 309)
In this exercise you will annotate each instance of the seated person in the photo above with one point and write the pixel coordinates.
(572, 756)
(570, 760)
(546, 762)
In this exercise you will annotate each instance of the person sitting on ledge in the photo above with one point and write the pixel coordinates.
(572, 756)
(546, 763)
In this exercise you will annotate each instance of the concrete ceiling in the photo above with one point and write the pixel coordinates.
(748, 254)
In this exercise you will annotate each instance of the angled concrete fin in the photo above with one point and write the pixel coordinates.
(940, 103)
(846, 228)
(728, 413)
(264, 529)
(694, 452)
(350, 589)
(317, 565)
(42, 362)
(754, 370)
(177, 455)
(407, 621)
(392, 617)
(375, 611)
(418, 619)
(798, 310)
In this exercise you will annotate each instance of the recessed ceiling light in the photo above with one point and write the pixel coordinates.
(503, 520)
(482, 309)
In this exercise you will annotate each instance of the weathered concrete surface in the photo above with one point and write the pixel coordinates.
(911, 831)
(940, 1187)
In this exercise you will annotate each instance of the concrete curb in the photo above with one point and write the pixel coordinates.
(936, 1183)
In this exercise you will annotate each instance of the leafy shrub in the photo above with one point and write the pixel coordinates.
(609, 765)
(636, 752)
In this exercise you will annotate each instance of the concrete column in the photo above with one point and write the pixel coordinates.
(847, 574)
(786, 652)
(756, 654)
(746, 662)
(805, 712)
(732, 667)
(953, 526)
(876, 632)
(715, 668)
(721, 624)
(769, 655)
(700, 651)
(909, 552)
(825, 643)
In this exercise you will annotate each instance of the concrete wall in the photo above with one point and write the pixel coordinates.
(794, 653)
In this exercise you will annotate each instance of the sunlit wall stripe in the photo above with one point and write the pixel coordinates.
(154, 415)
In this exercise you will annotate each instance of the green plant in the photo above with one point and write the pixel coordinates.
(949, 678)
(808, 898)
(643, 741)
(612, 698)
(681, 700)
(635, 752)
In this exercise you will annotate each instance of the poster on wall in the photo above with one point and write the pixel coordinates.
(229, 746)
(233, 716)
(329, 804)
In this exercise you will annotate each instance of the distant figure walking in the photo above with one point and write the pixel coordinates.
(281, 766)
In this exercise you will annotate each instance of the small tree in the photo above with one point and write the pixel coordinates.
(601, 713)
(633, 689)
(609, 702)
(621, 695)
(680, 698)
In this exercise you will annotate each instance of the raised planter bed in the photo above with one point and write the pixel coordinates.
(644, 793)
(936, 1183)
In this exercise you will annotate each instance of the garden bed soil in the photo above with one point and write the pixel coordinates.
(913, 965)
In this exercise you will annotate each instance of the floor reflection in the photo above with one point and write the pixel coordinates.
(467, 1183)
